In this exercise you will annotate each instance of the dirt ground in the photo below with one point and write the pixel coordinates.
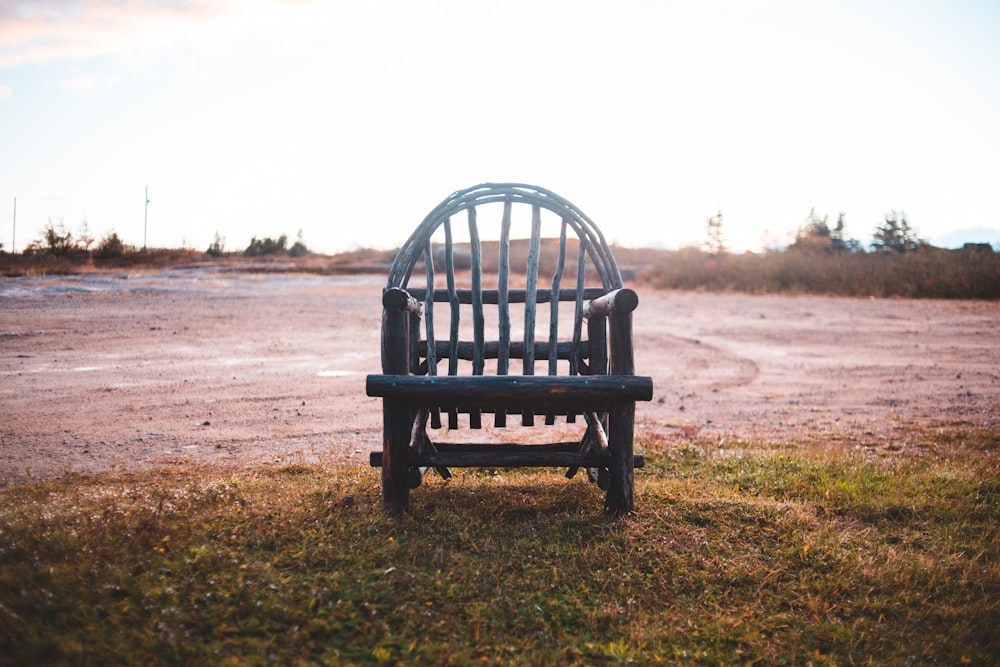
(116, 371)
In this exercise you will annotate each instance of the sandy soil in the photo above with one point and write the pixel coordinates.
(118, 371)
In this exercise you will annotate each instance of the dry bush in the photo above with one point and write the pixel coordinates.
(926, 273)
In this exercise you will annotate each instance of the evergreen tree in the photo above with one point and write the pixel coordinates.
(716, 241)
(218, 245)
(896, 235)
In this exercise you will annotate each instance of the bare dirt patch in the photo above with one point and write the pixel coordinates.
(108, 372)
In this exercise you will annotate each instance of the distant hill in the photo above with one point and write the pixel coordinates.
(960, 237)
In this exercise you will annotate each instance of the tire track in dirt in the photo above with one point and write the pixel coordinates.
(699, 363)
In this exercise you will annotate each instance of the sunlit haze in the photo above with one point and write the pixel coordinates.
(350, 120)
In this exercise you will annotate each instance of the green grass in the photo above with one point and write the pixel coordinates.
(769, 554)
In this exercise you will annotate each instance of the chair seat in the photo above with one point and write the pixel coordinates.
(545, 393)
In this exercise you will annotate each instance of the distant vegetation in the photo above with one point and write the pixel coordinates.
(821, 259)
(268, 246)
(58, 241)
(59, 250)
(927, 272)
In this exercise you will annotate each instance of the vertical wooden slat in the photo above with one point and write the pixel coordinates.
(554, 304)
(574, 356)
(554, 312)
(530, 302)
(478, 335)
(414, 342)
(429, 310)
(435, 414)
(449, 266)
(503, 304)
(598, 345)
(531, 291)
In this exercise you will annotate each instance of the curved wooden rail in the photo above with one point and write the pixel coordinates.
(508, 193)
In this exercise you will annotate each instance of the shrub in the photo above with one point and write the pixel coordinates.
(279, 246)
(112, 247)
(266, 246)
(298, 248)
(927, 272)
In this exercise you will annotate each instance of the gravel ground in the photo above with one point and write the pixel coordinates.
(116, 371)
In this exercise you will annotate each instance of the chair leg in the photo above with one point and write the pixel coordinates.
(620, 499)
(395, 469)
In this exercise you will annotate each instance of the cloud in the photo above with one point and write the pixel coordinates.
(41, 32)
(6, 91)
(88, 82)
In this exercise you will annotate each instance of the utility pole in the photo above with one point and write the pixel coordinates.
(145, 220)
(13, 231)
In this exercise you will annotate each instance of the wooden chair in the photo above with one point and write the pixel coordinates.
(588, 363)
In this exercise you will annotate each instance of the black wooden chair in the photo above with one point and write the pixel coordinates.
(588, 363)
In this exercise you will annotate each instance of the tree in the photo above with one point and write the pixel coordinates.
(716, 240)
(813, 235)
(817, 235)
(218, 245)
(896, 235)
(56, 239)
(86, 240)
(298, 248)
(840, 243)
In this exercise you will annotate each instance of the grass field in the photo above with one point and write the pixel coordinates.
(788, 553)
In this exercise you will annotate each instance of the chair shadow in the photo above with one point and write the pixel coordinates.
(507, 500)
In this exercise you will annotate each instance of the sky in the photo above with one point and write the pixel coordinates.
(351, 119)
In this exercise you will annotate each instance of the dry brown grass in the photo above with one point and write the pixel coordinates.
(927, 273)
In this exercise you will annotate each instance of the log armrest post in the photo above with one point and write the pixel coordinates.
(617, 307)
(622, 300)
(398, 306)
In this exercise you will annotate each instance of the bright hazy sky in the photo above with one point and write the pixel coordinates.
(351, 119)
